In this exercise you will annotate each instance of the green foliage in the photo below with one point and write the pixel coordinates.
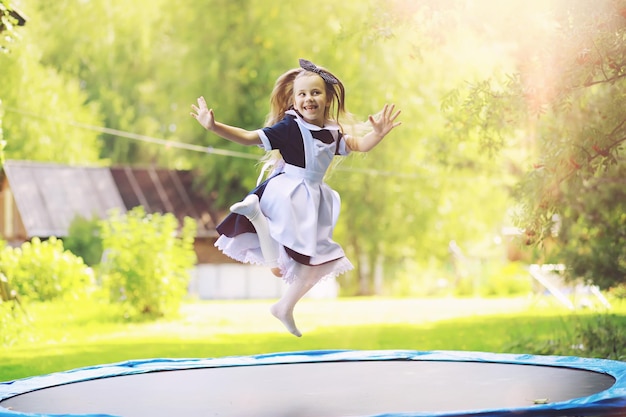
(8, 33)
(44, 270)
(592, 231)
(122, 56)
(597, 335)
(84, 239)
(9, 317)
(12, 323)
(138, 66)
(146, 266)
(618, 291)
(38, 126)
(603, 337)
(13, 315)
(409, 197)
(561, 105)
(493, 279)
(505, 280)
(485, 278)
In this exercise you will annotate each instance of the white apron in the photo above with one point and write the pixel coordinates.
(302, 212)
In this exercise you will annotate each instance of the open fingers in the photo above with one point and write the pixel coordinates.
(393, 118)
(387, 119)
(200, 108)
(388, 112)
(201, 105)
(389, 116)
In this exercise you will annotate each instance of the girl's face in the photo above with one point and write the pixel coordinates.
(310, 98)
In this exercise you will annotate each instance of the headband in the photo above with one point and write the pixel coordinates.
(326, 76)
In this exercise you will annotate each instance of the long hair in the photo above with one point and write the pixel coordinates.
(282, 96)
(282, 99)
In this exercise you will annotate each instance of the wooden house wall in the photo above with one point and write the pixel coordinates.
(11, 226)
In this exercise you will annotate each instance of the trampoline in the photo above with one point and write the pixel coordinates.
(329, 383)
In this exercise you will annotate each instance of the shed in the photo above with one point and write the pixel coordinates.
(39, 199)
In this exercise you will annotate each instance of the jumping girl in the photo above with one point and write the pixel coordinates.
(287, 221)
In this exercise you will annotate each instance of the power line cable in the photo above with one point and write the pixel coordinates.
(192, 147)
(136, 136)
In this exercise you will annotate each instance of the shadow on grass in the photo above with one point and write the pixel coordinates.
(520, 334)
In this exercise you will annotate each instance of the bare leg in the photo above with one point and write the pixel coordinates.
(250, 208)
(283, 309)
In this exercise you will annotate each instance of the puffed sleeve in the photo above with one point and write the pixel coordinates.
(277, 136)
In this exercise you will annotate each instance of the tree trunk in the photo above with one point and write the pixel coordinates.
(378, 275)
(365, 272)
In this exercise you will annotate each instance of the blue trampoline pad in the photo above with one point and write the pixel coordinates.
(329, 384)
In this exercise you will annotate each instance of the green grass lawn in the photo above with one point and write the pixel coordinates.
(66, 336)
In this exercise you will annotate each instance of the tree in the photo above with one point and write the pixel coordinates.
(138, 66)
(9, 18)
(117, 53)
(563, 104)
(39, 104)
(408, 198)
(7, 29)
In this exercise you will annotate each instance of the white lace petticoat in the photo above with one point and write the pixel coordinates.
(245, 248)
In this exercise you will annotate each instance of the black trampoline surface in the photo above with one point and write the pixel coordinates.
(333, 384)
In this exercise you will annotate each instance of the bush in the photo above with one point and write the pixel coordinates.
(84, 240)
(505, 280)
(494, 279)
(596, 336)
(603, 337)
(10, 323)
(145, 266)
(43, 270)
(618, 291)
(11, 318)
(592, 237)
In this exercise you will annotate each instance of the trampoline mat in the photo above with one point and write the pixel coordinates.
(317, 389)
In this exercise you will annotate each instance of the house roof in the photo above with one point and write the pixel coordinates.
(161, 190)
(49, 196)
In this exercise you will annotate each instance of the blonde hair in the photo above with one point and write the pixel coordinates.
(282, 99)
(282, 96)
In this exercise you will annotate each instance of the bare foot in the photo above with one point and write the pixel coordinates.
(286, 317)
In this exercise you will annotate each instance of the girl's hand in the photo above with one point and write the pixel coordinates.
(381, 125)
(203, 114)
(386, 121)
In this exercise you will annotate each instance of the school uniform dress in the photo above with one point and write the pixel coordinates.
(301, 209)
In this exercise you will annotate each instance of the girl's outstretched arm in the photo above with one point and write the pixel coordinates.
(381, 127)
(206, 118)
